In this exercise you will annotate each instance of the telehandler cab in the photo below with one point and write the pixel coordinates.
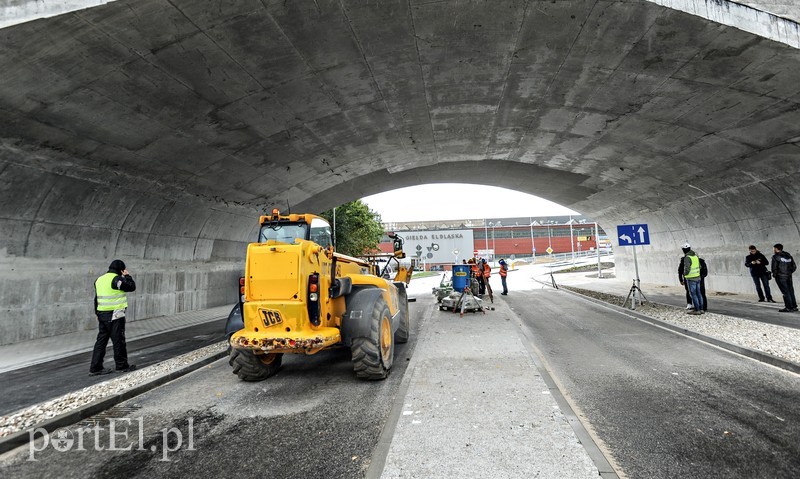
(298, 296)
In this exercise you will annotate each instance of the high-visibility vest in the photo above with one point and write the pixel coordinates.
(474, 268)
(694, 270)
(503, 270)
(108, 298)
(487, 270)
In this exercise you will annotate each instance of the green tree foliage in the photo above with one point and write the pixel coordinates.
(358, 229)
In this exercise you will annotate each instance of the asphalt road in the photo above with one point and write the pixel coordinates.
(313, 419)
(664, 405)
(660, 405)
(40, 382)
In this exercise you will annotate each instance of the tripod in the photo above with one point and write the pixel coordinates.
(632, 296)
(462, 302)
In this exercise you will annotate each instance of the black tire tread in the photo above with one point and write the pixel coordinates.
(249, 367)
(403, 332)
(367, 362)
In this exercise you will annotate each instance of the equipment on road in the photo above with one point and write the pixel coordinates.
(444, 289)
(632, 296)
(462, 302)
(298, 296)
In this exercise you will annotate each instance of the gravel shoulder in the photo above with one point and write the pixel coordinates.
(778, 341)
(33, 415)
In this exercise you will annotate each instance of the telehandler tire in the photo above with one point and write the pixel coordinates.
(403, 332)
(252, 367)
(373, 355)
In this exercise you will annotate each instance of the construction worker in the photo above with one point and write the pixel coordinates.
(110, 303)
(476, 273)
(503, 274)
(486, 271)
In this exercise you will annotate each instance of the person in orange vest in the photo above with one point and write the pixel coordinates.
(487, 271)
(476, 274)
(503, 274)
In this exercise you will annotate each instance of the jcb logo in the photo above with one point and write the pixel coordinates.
(270, 317)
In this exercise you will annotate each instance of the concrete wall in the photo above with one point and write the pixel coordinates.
(756, 202)
(61, 228)
(42, 298)
(776, 20)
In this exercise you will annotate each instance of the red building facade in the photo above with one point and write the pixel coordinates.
(519, 241)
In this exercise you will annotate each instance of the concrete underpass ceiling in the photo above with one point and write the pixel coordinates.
(613, 108)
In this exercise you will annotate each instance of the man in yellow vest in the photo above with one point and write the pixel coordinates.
(110, 303)
(691, 274)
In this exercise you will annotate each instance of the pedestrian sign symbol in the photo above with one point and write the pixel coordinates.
(633, 235)
(549, 250)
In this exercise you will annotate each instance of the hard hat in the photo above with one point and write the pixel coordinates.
(686, 246)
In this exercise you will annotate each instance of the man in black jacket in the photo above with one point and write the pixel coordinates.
(783, 266)
(758, 263)
(110, 304)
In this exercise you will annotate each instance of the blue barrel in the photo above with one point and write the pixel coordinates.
(460, 276)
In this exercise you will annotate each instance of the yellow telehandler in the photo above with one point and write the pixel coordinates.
(299, 296)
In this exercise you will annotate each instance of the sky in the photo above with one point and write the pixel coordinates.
(448, 201)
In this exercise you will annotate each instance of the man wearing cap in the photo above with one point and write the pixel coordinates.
(110, 303)
(757, 263)
(503, 274)
(691, 275)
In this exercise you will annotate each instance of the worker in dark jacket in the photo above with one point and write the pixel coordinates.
(110, 304)
(783, 266)
(758, 263)
(503, 274)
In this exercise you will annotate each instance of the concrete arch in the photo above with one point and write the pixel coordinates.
(156, 131)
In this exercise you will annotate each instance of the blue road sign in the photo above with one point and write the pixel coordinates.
(632, 235)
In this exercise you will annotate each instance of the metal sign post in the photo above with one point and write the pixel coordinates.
(597, 247)
(633, 235)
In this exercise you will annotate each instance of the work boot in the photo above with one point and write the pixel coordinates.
(131, 367)
(784, 310)
(761, 300)
(693, 312)
(100, 372)
(771, 300)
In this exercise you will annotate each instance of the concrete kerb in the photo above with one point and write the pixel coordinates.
(68, 418)
(381, 451)
(750, 353)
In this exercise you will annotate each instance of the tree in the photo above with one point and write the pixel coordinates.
(358, 229)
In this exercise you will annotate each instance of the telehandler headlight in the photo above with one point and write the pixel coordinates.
(313, 297)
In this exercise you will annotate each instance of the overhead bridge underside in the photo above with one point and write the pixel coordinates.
(156, 131)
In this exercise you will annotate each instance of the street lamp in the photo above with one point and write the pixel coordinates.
(494, 246)
(571, 239)
(486, 233)
(493, 239)
(533, 244)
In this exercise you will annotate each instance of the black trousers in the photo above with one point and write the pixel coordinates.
(758, 280)
(787, 288)
(115, 330)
